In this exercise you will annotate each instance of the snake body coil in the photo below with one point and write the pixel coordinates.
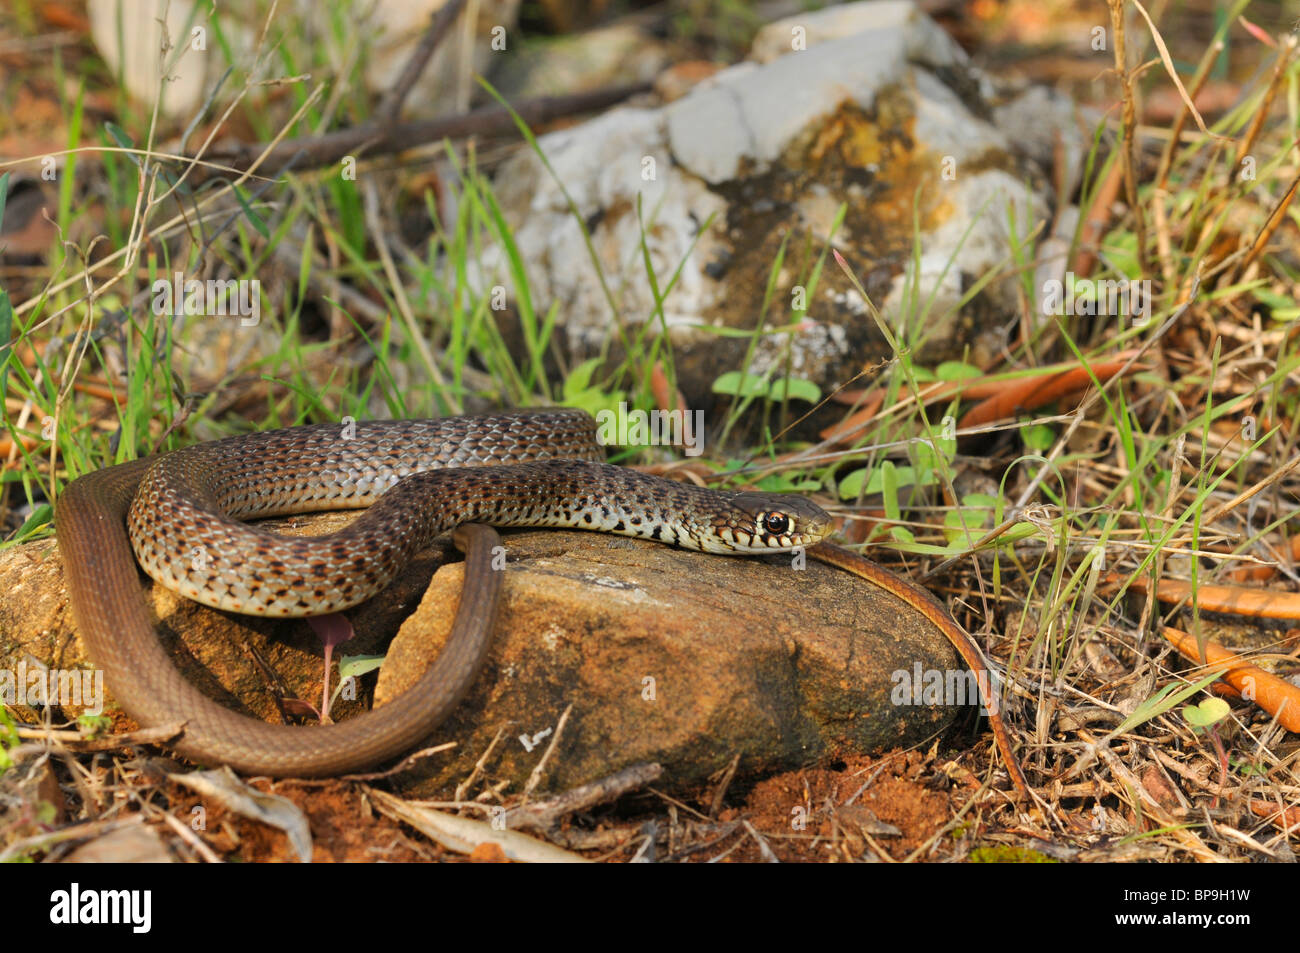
(182, 513)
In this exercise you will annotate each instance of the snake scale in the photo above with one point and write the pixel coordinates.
(180, 514)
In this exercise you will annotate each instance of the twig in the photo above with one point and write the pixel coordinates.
(1245, 495)
(196, 843)
(373, 139)
(1136, 789)
(1275, 218)
(1128, 146)
(1279, 81)
(765, 851)
(1188, 100)
(76, 741)
(535, 778)
(716, 804)
(462, 789)
(543, 815)
(398, 768)
(1202, 73)
(439, 27)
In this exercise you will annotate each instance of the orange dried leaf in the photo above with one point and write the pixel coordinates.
(1035, 392)
(1233, 600)
(1276, 696)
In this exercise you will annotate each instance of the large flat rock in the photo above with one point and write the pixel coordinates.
(671, 656)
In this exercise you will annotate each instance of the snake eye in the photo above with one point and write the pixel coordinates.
(778, 524)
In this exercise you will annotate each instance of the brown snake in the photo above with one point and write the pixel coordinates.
(182, 513)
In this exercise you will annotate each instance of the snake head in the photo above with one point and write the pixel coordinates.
(763, 522)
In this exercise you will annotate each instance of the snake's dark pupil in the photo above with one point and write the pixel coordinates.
(776, 523)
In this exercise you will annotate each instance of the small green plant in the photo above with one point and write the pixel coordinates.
(579, 391)
(1203, 718)
(8, 740)
(775, 390)
(1008, 855)
(94, 725)
(1207, 714)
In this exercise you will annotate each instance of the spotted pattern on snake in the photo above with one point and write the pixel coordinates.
(186, 530)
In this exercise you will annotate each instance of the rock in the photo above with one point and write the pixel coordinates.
(670, 656)
(129, 36)
(870, 106)
(130, 844)
(807, 29)
(679, 79)
(665, 655)
(602, 164)
(1041, 117)
(750, 114)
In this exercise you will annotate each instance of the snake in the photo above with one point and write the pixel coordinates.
(181, 516)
